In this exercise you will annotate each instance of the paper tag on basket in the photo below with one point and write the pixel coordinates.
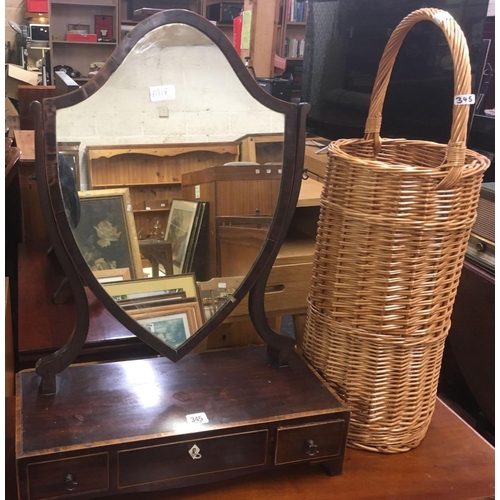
(441, 16)
(464, 99)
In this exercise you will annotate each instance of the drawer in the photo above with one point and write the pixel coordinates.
(52, 479)
(191, 458)
(310, 441)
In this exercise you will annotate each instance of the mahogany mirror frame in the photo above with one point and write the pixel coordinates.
(79, 273)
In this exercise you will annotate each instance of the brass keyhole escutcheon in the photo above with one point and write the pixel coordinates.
(70, 482)
(312, 449)
(195, 452)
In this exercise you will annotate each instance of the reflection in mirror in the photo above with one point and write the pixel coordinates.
(180, 169)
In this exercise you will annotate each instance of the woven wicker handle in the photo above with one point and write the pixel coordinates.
(455, 157)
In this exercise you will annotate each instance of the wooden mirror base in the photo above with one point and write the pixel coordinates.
(151, 424)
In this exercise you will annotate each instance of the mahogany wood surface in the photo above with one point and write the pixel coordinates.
(125, 426)
(452, 462)
(150, 397)
(26, 95)
(33, 224)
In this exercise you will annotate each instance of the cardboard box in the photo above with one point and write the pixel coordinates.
(12, 120)
(17, 75)
(37, 6)
(79, 37)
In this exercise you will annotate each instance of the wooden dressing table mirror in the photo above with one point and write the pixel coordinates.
(182, 418)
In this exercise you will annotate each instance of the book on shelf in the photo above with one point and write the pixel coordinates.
(296, 11)
(294, 47)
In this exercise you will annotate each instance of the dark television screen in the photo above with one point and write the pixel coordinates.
(345, 40)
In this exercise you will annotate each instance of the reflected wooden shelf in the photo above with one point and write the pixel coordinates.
(159, 183)
(151, 210)
(153, 171)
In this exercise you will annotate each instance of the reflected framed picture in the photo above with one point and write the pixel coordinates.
(179, 229)
(113, 275)
(71, 153)
(106, 231)
(172, 324)
(153, 288)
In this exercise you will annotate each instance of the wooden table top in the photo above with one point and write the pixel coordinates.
(452, 462)
(25, 141)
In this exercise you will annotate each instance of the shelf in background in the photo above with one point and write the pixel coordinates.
(82, 43)
(135, 184)
(151, 210)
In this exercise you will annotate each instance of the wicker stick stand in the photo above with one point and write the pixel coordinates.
(395, 220)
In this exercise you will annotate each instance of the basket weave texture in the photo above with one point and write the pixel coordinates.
(395, 220)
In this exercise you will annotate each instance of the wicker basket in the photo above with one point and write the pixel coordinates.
(395, 219)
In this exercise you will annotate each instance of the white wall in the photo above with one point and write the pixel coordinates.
(491, 8)
(210, 105)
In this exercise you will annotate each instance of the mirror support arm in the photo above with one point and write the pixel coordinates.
(279, 346)
(49, 366)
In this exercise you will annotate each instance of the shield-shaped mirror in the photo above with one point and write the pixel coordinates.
(186, 172)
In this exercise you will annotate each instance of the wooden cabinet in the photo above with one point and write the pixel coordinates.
(119, 438)
(288, 283)
(232, 192)
(153, 174)
(74, 14)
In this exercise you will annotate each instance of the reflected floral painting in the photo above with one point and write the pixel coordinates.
(101, 233)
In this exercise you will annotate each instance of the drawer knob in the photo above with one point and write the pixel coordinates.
(195, 452)
(70, 482)
(312, 449)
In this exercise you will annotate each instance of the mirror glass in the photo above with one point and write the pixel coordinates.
(178, 180)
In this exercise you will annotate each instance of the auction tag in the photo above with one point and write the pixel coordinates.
(464, 99)
(129, 208)
(197, 191)
(197, 418)
(441, 16)
(221, 285)
(162, 93)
